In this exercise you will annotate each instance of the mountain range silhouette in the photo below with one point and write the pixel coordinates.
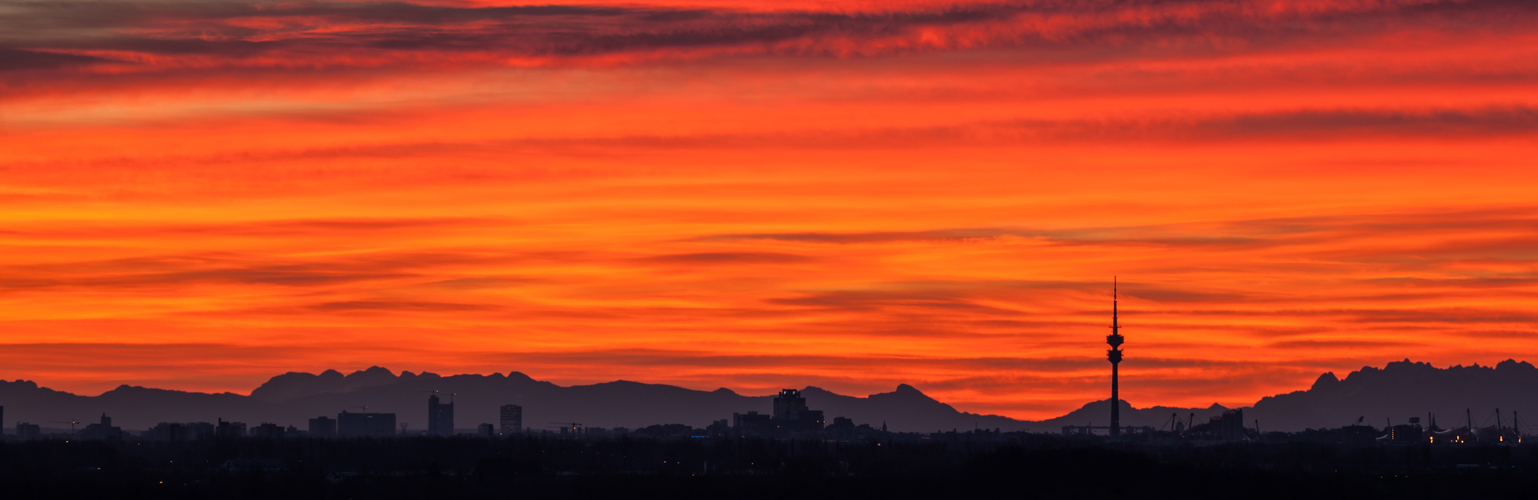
(1393, 393)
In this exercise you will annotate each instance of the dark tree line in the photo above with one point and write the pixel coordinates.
(1022, 466)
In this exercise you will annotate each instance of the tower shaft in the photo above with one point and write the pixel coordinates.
(1115, 404)
(1114, 356)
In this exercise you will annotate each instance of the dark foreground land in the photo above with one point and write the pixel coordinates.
(1026, 466)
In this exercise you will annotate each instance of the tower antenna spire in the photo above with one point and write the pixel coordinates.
(1114, 356)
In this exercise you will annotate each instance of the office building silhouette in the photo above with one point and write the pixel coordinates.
(1230, 425)
(440, 417)
(792, 413)
(177, 431)
(753, 423)
(791, 417)
(365, 424)
(511, 419)
(102, 430)
(322, 427)
(230, 429)
(268, 430)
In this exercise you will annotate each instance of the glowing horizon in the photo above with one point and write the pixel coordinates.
(850, 195)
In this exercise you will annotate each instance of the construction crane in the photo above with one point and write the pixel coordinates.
(451, 394)
(72, 422)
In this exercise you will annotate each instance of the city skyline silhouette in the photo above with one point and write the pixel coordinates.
(1396, 392)
(844, 194)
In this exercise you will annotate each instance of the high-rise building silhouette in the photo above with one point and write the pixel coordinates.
(322, 427)
(1230, 426)
(440, 417)
(1115, 340)
(791, 411)
(511, 419)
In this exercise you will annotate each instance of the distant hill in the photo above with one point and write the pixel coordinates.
(294, 398)
(1405, 389)
(1398, 391)
(1395, 393)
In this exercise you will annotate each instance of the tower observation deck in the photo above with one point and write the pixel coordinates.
(1114, 355)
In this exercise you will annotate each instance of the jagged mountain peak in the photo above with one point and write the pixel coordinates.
(1326, 381)
(21, 384)
(1403, 389)
(293, 385)
(813, 391)
(373, 371)
(904, 392)
(1514, 365)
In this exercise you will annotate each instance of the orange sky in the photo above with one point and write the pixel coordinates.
(200, 195)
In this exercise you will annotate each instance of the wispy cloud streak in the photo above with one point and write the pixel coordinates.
(856, 194)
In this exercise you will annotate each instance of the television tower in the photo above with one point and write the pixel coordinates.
(1115, 356)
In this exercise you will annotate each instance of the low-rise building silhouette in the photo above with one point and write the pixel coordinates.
(753, 423)
(845, 429)
(26, 431)
(268, 430)
(365, 424)
(230, 429)
(101, 430)
(177, 431)
(322, 427)
(1230, 425)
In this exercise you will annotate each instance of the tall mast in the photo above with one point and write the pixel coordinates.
(1114, 356)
